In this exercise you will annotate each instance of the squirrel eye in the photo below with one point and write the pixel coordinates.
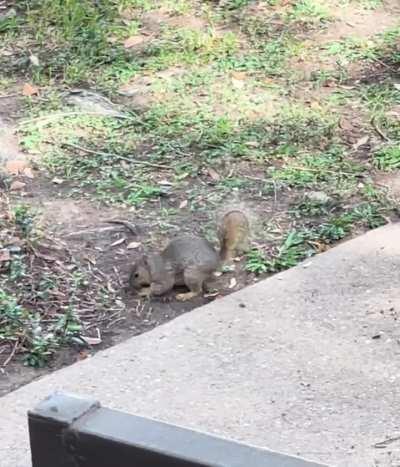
(136, 275)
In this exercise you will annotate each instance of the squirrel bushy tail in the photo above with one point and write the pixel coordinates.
(234, 234)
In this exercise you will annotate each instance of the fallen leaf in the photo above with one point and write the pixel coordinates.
(16, 167)
(17, 185)
(211, 294)
(361, 142)
(396, 86)
(133, 245)
(82, 355)
(217, 273)
(213, 174)
(232, 283)
(57, 181)
(4, 255)
(165, 183)
(183, 204)
(132, 41)
(34, 60)
(112, 39)
(128, 13)
(91, 340)
(118, 242)
(345, 125)
(28, 90)
(237, 83)
(239, 75)
(252, 144)
(27, 172)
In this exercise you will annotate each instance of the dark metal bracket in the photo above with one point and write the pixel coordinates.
(68, 431)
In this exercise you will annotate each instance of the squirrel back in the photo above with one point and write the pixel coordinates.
(234, 234)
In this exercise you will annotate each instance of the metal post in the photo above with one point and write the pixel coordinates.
(67, 431)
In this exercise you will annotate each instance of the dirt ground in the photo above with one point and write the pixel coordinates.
(76, 212)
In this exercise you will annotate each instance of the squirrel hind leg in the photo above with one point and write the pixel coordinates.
(194, 280)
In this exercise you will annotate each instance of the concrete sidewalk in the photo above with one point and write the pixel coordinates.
(306, 362)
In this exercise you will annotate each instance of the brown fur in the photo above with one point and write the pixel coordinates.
(191, 260)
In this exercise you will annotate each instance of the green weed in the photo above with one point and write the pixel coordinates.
(387, 158)
(293, 250)
(256, 262)
(308, 12)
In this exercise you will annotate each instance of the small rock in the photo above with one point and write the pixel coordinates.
(133, 245)
(318, 197)
(14, 249)
(89, 101)
(4, 255)
(15, 167)
(57, 181)
(17, 185)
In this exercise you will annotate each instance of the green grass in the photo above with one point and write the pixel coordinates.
(301, 243)
(388, 158)
(309, 12)
(227, 114)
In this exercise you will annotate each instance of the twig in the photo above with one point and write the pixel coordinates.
(378, 130)
(72, 114)
(383, 444)
(127, 224)
(117, 156)
(7, 96)
(309, 169)
(9, 358)
(256, 179)
(385, 65)
(93, 231)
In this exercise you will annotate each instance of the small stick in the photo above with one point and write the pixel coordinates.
(379, 131)
(72, 114)
(383, 444)
(122, 158)
(9, 358)
(127, 224)
(6, 96)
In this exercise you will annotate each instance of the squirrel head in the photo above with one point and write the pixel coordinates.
(140, 274)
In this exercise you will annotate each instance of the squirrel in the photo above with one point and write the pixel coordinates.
(191, 260)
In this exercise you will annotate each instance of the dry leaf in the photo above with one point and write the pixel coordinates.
(34, 60)
(4, 255)
(17, 185)
(239, 75)
(133, 245)
(232, 283)
(183, 204)
(27, 172)
(252, 144)
(82, 355)
(237, 83)
(57, 181)
(16, 167)
(345, 124)
(91, 340)
(128, 13)
(213, 174)
(28, 90)
(361, 142)
(132, 41)
(118, 242)
(165, 183)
